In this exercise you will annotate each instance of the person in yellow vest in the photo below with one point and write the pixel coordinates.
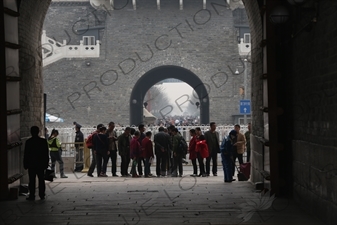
(56, 152)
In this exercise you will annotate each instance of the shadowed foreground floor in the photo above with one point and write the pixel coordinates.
(81, 200)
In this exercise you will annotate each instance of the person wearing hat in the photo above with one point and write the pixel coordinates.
(79, 138)
(77, 125)
(226, 150)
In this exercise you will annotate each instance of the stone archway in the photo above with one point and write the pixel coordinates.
(158, 74)
(30, 22)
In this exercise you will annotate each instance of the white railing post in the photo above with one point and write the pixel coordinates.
(81, 49)
(134, 4)
(97, 48)
(112, 4)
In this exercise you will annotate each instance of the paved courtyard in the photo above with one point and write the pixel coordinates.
(81, 200)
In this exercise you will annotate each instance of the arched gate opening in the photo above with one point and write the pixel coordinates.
(158, 74)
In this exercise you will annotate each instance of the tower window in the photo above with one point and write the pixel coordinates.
(89, 40)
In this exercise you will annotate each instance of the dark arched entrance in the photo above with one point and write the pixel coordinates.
(158, 74)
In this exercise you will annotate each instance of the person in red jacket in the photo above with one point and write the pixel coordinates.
(202, 151)
(135, 150)
(147, 153)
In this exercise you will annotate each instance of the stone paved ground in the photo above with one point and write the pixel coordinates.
(115, 200)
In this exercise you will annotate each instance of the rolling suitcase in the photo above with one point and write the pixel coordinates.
(245, 170)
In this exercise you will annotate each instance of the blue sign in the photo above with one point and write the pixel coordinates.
(244, 106)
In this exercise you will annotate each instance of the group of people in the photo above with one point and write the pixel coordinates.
(136, 145)
(131, 145)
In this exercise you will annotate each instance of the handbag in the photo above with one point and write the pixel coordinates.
(49, 174)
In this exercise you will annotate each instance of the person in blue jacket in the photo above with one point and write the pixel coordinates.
(226, 150)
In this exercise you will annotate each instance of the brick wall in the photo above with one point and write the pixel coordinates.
(31, 18)
(255, 23)
(314, 104)
(202, 41)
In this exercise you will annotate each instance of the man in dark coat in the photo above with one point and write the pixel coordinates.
(79, 138)
(212, 139)
(36, 160)
(124, 151)
(162, 143)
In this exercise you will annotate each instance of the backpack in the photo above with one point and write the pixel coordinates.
(182, 147)
(89, 140)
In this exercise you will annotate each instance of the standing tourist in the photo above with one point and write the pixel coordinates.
(147, 153)
(162, 144)
(177, 154)
(227, 149)
(212, 139)
(36, 160)
(192, 152)
(141, 129)
(247, 136)
(89, 143)
(79, 139)
(112, 136)
(239, 146)
(56, 152)
(135, 149)
(101, 146)
(202, 151)
(124, 150)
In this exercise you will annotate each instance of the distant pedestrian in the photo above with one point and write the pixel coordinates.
(170, 162)
(192, 152)
(147, 153)
(162, 143)
(202, 151)
(135, 149)
(247, 136)
(227, 149)
(212, 139)
(79, 139)
(89, 143)
(141, 129)
(124, 151)
(239, 146)
(56, 152)
(36, 160)
(112, 136)
(101, 146)
(177, 154)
